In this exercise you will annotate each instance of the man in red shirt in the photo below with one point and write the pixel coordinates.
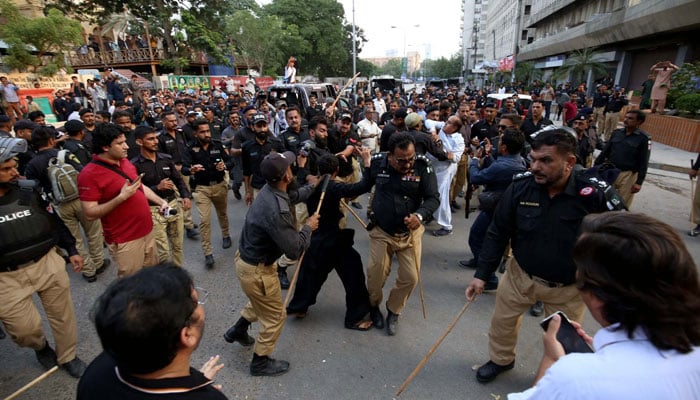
(570, 109)
(110, 189)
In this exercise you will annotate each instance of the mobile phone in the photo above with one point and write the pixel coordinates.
(567, 335)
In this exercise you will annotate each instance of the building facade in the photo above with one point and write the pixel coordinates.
(472, 36)
(629, 35)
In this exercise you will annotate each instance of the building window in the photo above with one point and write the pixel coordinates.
(527, 10)
(523, 35)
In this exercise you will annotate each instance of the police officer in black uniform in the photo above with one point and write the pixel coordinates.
(162, 176)
(539, 214)
(253, 152)
(206, 161)
(296, 133)
(74, 144)
(405, 194)
(30, 263)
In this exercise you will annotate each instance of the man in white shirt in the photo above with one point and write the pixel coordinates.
(641, 284)
(453, 144)
(369, 130)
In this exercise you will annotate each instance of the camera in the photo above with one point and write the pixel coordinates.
(169, 212)
(306, 148)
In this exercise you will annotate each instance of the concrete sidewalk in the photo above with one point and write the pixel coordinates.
(670, 159)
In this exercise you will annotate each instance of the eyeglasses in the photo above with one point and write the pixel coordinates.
(504, 127)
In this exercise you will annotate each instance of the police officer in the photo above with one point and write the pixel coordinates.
(628, 149)
(295, 134)
(30, 263)
(76, 132)
(269, 231)
(253, 151)
(207, 161)
(173, 141)
(405, 193)
(164, 179)
(539, 214)
(612, 113)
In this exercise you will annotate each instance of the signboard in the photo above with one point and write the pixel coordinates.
(182, 82)
(506, 64)
(31, 81)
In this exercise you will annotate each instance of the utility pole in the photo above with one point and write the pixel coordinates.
(354, 47)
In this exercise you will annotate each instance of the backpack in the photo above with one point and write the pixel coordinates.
(63, 177)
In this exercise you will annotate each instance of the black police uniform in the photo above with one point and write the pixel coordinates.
(543, 230)
(176, 146)
(338, 143)
(208, 158)
(484, 130)
(292, 141)
(628, 153)
(396, 196)
(162, 168)
(79, 149)
(253, 154)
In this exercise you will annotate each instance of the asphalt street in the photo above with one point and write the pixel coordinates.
(331, 362)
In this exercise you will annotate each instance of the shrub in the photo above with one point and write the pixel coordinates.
(689, 103)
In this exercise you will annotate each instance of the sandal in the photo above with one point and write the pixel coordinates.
(363, 325)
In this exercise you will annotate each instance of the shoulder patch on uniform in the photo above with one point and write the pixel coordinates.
(522, 175)
(423, 158)
(378, 156)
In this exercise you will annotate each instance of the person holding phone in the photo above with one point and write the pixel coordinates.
(111, 190)
(641, 285)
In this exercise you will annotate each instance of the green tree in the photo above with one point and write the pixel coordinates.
(322, 26)
(263, 42)
(579, 63)
(526, 72)
(365, 68)
(443, 67)
(184, 26)
(392, 67)
(37, 44)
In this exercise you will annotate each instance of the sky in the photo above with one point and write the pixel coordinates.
(436, 36)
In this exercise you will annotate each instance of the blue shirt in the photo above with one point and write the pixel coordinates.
(496, 175)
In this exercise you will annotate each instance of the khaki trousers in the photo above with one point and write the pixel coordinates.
(516, 293)
(168, 233)
(382, 247)
(134, 255)
(301, 213)
(599, 116)
(696, 203)
(71, 213)
(47, 278)
(187, 215)
(204, 197)
(623, 185)
(611, 120)
(262, 286)
(460, 178)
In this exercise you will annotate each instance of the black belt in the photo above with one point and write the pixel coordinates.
(547, 283)
(11, 268)
(251, 262)
(210, 183)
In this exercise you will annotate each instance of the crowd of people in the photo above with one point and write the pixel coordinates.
(140, 167)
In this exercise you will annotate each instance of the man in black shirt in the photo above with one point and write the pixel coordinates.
(343, 140)
(207, 162)
(295, 134)
(534, 120)
(76, 132)
(396, 124)
(164, 179)
(612, 114)
(539, 214)
(149, 325)
(486, 128)
(253, 152)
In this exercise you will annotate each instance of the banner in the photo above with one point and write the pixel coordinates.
(180, 82)
(506, 64)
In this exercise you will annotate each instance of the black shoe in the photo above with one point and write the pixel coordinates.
(266, 366)
(356, 204)
(47, 357)
(234, 334)
(442, 232)
(105, 264)
(471, 263)
(490, 370)
(537, 309)
(226, 243)
(695, 231)
(209, 261)
(90, 278)
(236, 192)
(377, 318)
(392, 323)
(282, 274)
(2, 333)
(455, 205)
(75, 367)
(192, 233)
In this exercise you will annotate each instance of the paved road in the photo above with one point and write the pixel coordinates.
(330, 362)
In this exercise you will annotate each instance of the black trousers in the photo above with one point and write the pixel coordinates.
(332, 249)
